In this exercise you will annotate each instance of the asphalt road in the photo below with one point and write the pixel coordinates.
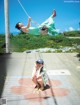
(63, 70)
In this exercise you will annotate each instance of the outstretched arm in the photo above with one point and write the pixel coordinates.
(25, 28)
(28, 25)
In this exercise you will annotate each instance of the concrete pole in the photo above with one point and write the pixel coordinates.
(7, 36)
(79, 26)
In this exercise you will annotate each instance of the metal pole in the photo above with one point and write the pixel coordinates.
(7, 36)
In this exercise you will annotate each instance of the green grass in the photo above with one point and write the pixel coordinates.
(22, 42)
(72, 33)
(2, 41)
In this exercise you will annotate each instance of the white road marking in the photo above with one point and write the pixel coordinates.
(78, 68)
(59, 72)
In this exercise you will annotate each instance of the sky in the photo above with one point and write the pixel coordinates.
(67, 19)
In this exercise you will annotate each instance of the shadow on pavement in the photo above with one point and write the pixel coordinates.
(3, 64)
(78, 55)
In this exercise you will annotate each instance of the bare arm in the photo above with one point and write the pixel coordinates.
(28, 25)
(25, 28)
(34, 72)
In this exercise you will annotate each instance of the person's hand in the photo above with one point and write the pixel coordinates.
(29, 19)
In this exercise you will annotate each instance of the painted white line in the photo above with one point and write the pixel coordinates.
(59, 72)
(78, 68)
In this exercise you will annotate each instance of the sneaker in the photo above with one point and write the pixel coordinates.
(54, 13)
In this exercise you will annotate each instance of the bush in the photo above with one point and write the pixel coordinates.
(2, 42)
(24, 42)
(72, 33)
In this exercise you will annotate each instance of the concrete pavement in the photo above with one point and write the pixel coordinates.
(63, 70)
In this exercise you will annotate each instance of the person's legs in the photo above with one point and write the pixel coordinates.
(41, 82)
(49, 23)
(34, 79)
(50, 20)
(54, 13)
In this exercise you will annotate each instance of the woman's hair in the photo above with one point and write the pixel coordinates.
(17, 26)
(40, 61)
(41, 70)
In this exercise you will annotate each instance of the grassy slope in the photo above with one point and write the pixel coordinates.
(2, 41)
(24, 42)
